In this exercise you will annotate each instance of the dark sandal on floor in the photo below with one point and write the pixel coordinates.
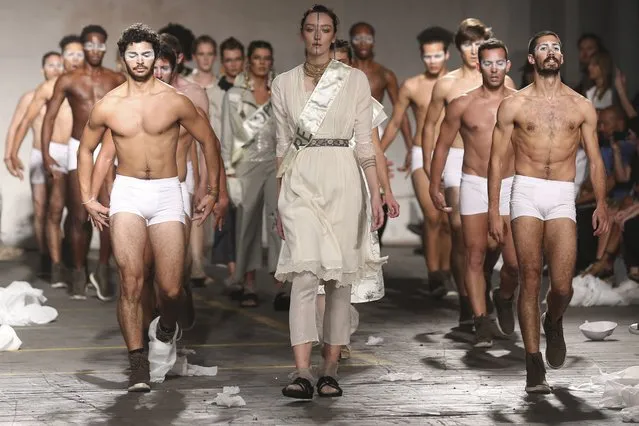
(236, 293)
(249, 300)
(330, 382)
(282, 302)
(306, 391)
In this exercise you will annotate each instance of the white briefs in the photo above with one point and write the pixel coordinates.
(541, 198)
(155, 200)
(58, 152)
(190, 179)
(453, 168)
(417, 158)
(36, 168)
(473, 195)
(186, 199)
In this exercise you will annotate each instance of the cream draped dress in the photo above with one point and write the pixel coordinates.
(322, 204)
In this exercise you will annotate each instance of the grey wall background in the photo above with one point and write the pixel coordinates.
(28, 28)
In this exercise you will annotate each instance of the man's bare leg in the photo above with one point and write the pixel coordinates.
(168, 243)
(196, 249)
(475, 234)
(187, 309)
(57, 196)
(81, 231)
(101, 278)
(528, 236)
(39, 199)
(458, 261)
(508, 277)
(432, 235)
(560, 246)
(129, 234)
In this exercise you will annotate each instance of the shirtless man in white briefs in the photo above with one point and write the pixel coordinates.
(73, 58)
(472, 115)
(470, 34)
(544, 124)
(416, 93)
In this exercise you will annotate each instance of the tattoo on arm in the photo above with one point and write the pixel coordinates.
(368, 162)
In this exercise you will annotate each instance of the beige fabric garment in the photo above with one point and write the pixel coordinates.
(322, 203)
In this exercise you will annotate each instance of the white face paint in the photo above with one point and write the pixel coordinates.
(548, 46)
(363, 39)
(499, 64)
(99, 47)
(471, 45)
(434, 58)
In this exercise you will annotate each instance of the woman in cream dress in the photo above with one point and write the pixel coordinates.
(322, 215)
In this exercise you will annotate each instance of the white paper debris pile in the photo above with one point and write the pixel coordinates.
(229, 397)
(401, 377)
(374, 341)
(619, 390)
(591, 291)
(21, 304)
(9, 340)
(183, 368)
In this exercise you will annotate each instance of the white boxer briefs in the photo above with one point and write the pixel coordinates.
(541, 198)
(155, 200)
(473, 195)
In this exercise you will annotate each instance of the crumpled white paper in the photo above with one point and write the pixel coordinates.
(591, 291)
(229, 397)
(21, 305)
(374, 341)
(183, 368)
(396, 377)
(9, 340)
(619, 390)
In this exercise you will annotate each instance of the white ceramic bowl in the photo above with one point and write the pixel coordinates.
(597, 330)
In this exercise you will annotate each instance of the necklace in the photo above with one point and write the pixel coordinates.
(315, 71)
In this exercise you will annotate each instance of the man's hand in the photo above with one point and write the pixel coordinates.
(220, 210)
(204, 208)
(408, 161)
(438, 200)
(14, 166)
(392, 204)
(497, 227)
(98, 214)
(377, 212)
(278, 225)
(50, 164)
(600, 219)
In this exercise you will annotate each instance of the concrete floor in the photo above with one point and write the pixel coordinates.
(73, 371)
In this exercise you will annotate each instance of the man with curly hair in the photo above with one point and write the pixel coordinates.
(144, 116)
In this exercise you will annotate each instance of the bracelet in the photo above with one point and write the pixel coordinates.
(213, 192)
(88, 201)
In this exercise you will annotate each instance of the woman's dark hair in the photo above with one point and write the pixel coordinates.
(604, 61)
(320, 8)
(138, 33)
(258, 44)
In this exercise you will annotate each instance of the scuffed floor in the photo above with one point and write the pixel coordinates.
(72, 371)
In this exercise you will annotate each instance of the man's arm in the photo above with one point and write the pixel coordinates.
(433, 114)
(33, 110)
(91, 137)
(502, 134)
(226, 133)
(447, 132)
(401, 100)
(103, 164)
(591, 148)
(597, 169)
(15, 167)
(58, 97)
(199, 127)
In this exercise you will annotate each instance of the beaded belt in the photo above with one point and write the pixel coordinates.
(342, 143)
